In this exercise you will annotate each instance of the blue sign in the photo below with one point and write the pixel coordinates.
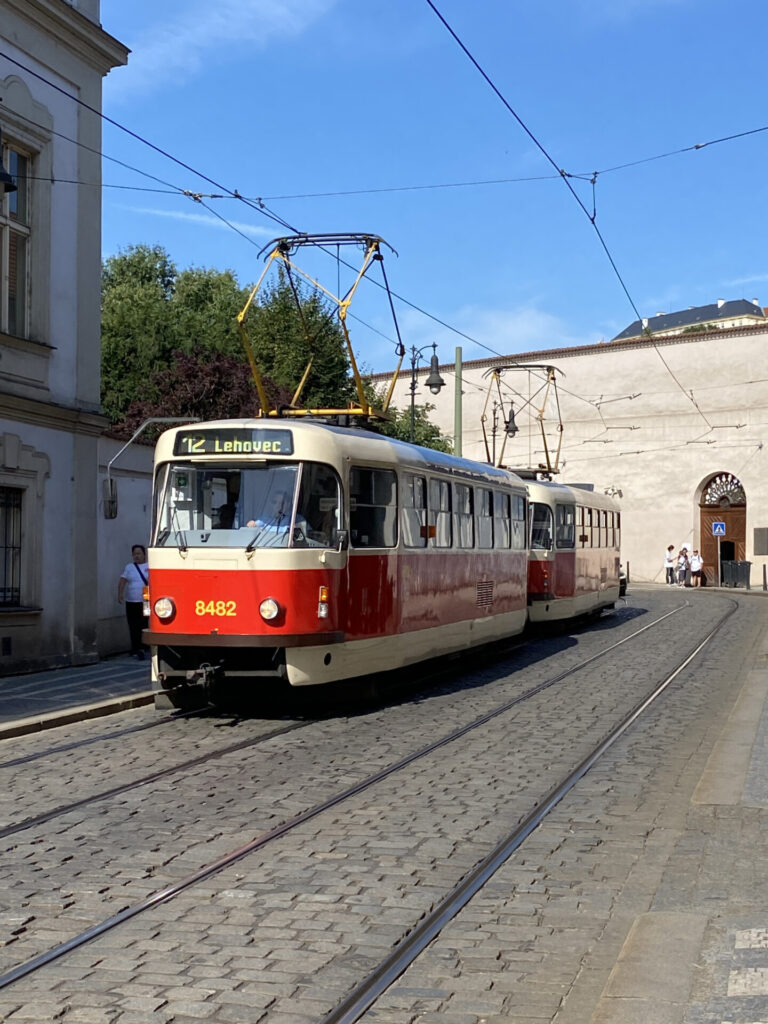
(718, 529)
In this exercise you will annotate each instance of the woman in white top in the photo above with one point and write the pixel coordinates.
(696, 566)
(130, 589)
(669, 564)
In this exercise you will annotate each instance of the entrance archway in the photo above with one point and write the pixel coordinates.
(722, 501)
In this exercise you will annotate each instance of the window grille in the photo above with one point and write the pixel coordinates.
(10, 546)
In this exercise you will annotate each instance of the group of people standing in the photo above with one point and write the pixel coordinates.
(682, 569)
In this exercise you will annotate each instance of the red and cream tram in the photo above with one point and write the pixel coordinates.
(291, 550)
(573, 560)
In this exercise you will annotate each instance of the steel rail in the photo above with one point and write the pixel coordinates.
(226, 860)
(103, 737)
(146, 780)
(362, 996)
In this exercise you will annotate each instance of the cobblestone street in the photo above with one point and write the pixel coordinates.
(638, 898)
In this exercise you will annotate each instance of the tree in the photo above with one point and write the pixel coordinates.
(152, 313)
(284, 341)
(197, 386)
(398, 425)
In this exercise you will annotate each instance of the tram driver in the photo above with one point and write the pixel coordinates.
(274, 522)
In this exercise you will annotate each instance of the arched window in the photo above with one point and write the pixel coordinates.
(723, 491)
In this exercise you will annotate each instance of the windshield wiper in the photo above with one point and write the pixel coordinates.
(262, 530)
(181, 540)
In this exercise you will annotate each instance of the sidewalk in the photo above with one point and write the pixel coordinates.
(43, 700)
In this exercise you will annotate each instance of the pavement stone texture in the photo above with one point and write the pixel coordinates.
(629, 899)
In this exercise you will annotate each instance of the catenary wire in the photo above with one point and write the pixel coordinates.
(261, 207)
(590, 217)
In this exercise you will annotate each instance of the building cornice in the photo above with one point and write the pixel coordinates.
(52, 417)
(599, 348)
(83, 37)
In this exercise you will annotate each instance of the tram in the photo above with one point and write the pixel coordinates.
(573, 559)
(291, 551)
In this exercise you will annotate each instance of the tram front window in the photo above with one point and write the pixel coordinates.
(271, 505)
(541, 526)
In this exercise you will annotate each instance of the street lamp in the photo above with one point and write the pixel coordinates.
(5, 179)
(434, 381)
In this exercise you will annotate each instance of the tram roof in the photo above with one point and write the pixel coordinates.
(579, 494)
(366, 443)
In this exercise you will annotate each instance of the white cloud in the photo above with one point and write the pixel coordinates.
(200, 34)
(751, 279)
(505, 332)
(206, 220)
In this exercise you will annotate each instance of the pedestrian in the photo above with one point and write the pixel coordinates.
(130, 589)
(682, 567)
(669, 564)
(697, 563)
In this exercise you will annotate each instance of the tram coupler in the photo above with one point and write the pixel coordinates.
(204, 677)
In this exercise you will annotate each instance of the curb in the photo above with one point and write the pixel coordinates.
(53, 719)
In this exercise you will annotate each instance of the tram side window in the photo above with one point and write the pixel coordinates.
(372, 507)
(440, 512)
(464, 520)
(319, 506)
(541, 526)
(565, 535)
(603, 528)
(519, 520)
(617, 538)
(609, 541)
(588, 531)
(501, 525)
(484, 517)
(414, 513)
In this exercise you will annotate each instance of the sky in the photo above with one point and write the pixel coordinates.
(367, 116)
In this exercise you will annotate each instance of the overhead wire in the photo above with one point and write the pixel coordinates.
(259, 206)
(429, 186)
(591, 217)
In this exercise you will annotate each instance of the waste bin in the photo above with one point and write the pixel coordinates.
(736, 574)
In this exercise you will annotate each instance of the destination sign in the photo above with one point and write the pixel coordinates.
(233, 441)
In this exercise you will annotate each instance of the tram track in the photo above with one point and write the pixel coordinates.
(34, 820)
(206, 871)
(114, 734)
(373, 986)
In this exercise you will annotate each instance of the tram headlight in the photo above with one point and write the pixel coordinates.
(269, 609)
(164, 608)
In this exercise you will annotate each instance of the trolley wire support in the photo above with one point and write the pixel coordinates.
(537, 405)
(281, 251)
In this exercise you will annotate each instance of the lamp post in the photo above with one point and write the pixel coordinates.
(434, 381)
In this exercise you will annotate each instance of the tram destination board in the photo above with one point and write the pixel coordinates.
(233, 441)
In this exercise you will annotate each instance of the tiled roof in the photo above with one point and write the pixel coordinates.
(690, 317)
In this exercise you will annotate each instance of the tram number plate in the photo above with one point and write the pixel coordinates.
(219, 608)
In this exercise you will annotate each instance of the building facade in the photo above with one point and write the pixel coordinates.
(53, 54)
(674, 425)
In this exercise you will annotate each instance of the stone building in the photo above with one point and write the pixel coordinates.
(673, 424)
(54, 53)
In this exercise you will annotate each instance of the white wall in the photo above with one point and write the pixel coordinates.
(656, 447)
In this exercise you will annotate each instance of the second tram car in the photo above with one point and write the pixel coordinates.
(295, 551)
(573, 561)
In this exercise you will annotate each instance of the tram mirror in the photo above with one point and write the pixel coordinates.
(109, 492)
(343, 538)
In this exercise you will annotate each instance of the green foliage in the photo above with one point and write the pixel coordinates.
(152, 313)
(425, 433)
(284, 343)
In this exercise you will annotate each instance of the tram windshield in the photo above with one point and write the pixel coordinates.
(541, 526)
(270, 504)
